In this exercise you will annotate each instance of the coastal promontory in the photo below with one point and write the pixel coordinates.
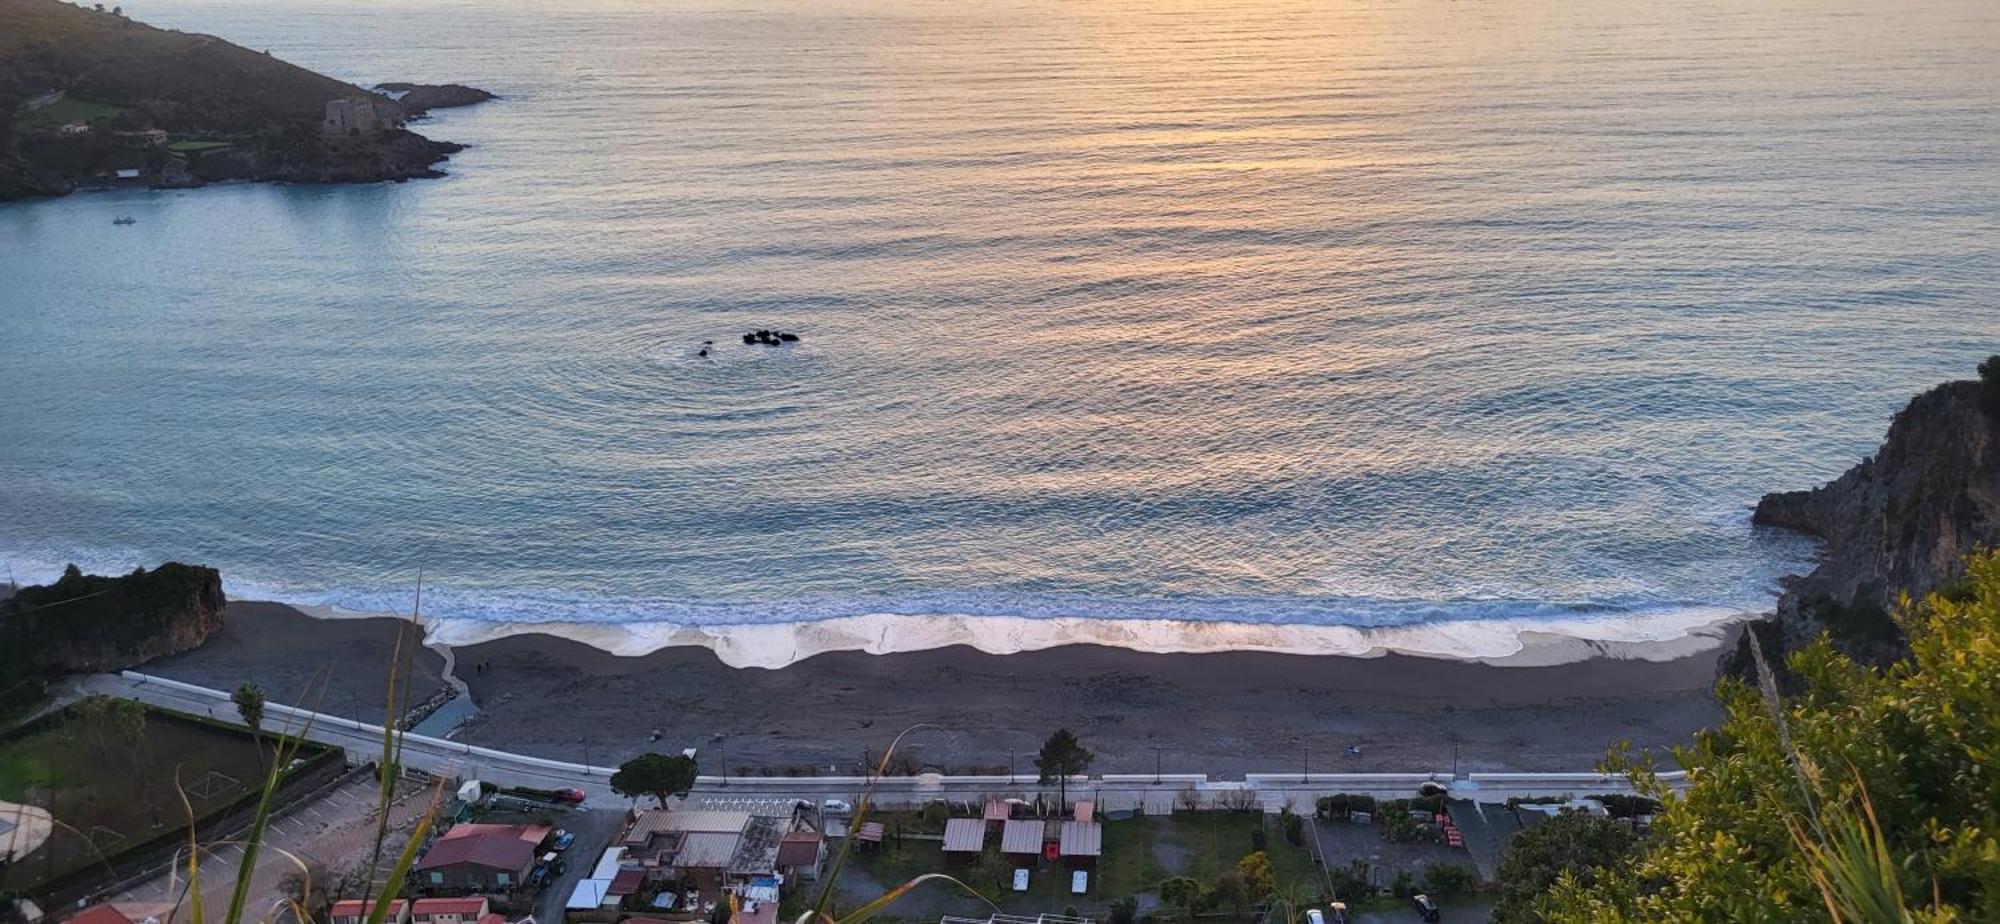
(1899, 522)
(90, 98)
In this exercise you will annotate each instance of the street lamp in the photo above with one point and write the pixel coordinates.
(1156, 765)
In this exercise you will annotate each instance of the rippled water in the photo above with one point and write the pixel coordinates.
(1359, 313)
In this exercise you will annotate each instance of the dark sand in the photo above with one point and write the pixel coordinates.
(1223, 714)
(339, 666)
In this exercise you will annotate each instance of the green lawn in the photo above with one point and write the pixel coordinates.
(191, 147)
(107, 791)
(1138, 854)
(70, 109)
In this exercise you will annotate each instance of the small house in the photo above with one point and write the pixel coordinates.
(72, 129)
(964, 839)
(476, 863)
(1081, 843)
(1021, 839)
(801, 854)
(448, 910)
(356, 911)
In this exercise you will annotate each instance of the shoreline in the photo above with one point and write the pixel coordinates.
(1520, 641)
(1218, 712)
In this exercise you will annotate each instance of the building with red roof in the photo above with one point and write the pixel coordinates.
(356, 911)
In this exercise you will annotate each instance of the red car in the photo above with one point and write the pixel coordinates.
(568, 796)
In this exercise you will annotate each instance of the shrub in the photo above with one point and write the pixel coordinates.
(935, 814)
(1450, 879)
(1259, 841)
(1338, 805)
(1403, 886)
(1125, 910)
(1293, 827)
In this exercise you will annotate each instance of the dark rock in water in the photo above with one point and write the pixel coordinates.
(789, 338)
(749, 338)
(770, 337)
(1901, 522)
(415, 99)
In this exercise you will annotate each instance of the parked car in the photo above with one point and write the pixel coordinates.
(1313, 916)
(1426, 909)
(538, 875)
(569, 796)
(563, 839)
(836, 807)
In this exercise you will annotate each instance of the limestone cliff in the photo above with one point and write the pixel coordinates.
(1900, 522)
(91, 623)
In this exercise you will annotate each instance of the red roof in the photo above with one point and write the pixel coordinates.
(494, 851)
(799, 848)
(101, 913)
(626, 882)
(871, 832)
(997, 810)
(533, 834)
(474, 905)
(491, 918)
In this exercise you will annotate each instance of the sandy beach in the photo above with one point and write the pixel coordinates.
(1221, 713)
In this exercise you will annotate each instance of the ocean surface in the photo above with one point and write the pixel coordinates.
(1419, 317)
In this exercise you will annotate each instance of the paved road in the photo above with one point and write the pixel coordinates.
(335, 831)
(1113, 792)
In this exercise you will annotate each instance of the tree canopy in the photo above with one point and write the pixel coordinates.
(656, 775)
(1576, 844)
(1062, 757)
(1870, 795)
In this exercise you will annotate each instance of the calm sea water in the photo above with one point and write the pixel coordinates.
(1358, 313)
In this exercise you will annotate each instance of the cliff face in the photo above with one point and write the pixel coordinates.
(91, 623)
(1901, 522)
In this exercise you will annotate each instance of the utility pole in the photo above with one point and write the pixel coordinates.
(723, 741)
(1156, 765)
(1010, 766)
(1305, 774)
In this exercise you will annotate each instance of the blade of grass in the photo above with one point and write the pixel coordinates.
(884, 900)
(282, 753)
(400, 874)
(861, 807)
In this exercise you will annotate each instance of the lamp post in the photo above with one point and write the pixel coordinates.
(1305, 774)
(722, 741)
(1156, 765)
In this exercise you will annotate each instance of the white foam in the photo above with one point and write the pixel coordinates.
(1523, 642)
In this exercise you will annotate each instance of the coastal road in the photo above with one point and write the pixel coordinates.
(1149, 792)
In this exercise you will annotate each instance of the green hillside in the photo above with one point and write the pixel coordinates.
(171, 80)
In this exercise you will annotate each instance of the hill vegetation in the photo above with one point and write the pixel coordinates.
(86, 92)
(1870, 795)
(85, 622)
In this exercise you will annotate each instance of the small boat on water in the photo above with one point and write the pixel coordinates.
(124, 220)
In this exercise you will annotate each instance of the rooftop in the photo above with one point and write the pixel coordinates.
(495, 851)
(965, 835)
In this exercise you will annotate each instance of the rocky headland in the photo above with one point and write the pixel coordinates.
(86, 622)
(1900, 522)
(92, 99)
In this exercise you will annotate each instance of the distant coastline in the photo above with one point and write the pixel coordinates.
(99, 101)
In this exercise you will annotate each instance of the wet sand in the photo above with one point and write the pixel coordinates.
(1222, 713)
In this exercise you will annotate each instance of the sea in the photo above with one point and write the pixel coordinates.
(1178, 324)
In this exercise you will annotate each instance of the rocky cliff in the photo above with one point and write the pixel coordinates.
(91, 623)
(1900, 522)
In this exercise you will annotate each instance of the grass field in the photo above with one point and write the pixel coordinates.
(108, 790)
(70, 109)
(1139, 853)
(190, 147)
